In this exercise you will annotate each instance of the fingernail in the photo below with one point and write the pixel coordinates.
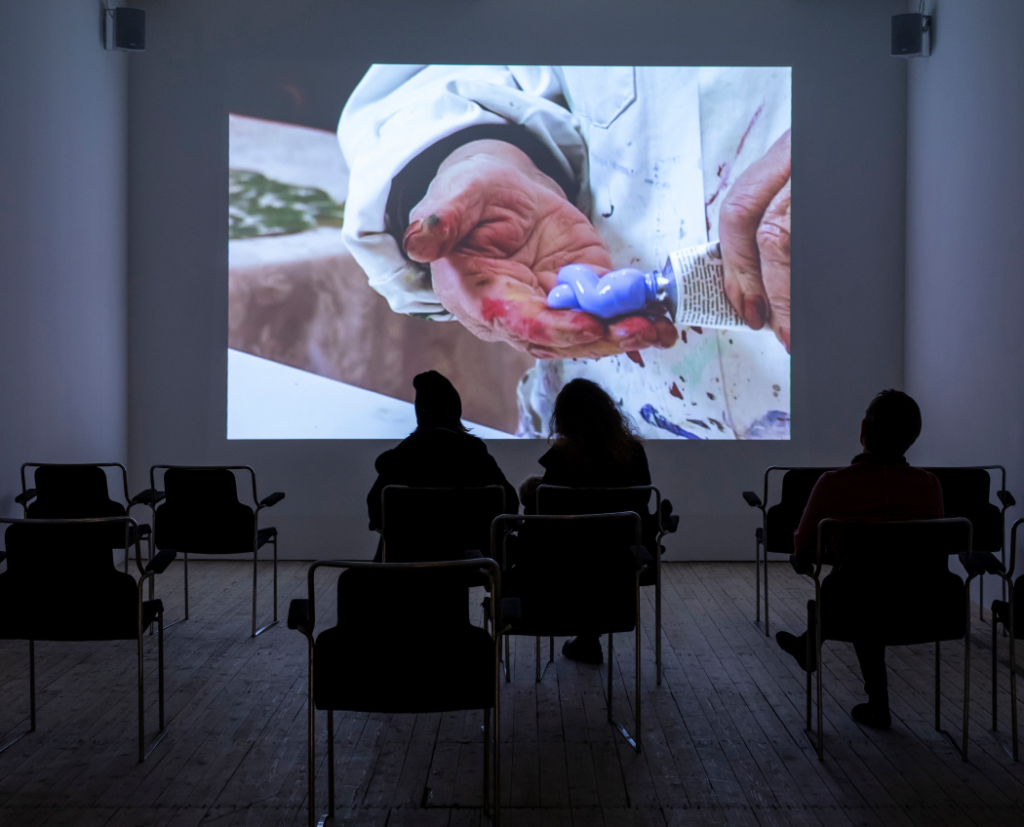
(431, 222)
(411, 231)
(754, 311)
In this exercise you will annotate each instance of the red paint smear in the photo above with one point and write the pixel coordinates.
(634, 356)
(490, 309)
(724, 169)
(674, 390)
(750, 126)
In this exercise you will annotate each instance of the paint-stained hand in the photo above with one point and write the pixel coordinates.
(754, 231)
(496, 231)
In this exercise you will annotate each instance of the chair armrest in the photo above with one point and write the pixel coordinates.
(24, 497)
(1006, 498)
(298, 615)
(752, 499)
(162, 560)
(148, 497)
(981, 562)
(273, 499)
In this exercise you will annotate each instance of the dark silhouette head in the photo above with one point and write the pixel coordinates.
(587, 423)
(437, 403)
(891, 424)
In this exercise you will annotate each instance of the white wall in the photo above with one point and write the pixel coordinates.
(965, 238)
(848, 250)
(63, 304)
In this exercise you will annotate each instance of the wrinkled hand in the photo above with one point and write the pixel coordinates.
(754, 230)
(496, 231)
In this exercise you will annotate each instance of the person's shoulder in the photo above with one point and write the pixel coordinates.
(553, 457)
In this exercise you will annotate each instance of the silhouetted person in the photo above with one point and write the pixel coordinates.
(879, 486)
(594, 447)
(440, 453)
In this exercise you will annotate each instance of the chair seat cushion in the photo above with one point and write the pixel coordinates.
(433, 670)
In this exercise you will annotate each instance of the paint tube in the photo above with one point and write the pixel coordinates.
(691, 288)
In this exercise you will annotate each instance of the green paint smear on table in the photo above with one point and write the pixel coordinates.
(260, 206)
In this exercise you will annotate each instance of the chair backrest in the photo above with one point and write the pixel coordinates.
(75, 492)
(61, 583)
(202, 515)
(576, 573)
(429, 524)
(965, 493)
(893, 582)
(389, 603)
(559, 499)
(783, 518)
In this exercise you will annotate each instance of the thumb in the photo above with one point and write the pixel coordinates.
(452, 207)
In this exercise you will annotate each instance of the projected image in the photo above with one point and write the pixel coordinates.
(513, 227)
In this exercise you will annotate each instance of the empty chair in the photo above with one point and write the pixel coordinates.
(556, 499)
(76, 491)
(61, 585)
(966, 493)
(893, 588)
(199, 513)
(778, 522)
(574, 575)
(1009, 613)
(403, 643)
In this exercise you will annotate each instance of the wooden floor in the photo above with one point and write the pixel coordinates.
(723, 736)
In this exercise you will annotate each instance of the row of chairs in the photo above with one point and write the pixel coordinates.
(900, 572)
(195, 511)
(565, 573)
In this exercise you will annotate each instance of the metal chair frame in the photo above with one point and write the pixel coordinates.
(28, 494)
(656, 553)
(1008, 626)
(154, 497)
(493, 573)
(814, 639)
(145, 573)
(498, 532)
(761, 534)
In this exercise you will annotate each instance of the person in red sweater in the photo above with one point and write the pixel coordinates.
(878, 486)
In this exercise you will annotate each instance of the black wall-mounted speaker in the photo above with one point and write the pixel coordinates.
(125, 30)
(911, 35)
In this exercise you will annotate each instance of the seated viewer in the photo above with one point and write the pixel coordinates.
(440, 453)
(879, 486)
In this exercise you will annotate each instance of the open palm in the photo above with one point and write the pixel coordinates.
(496, 231)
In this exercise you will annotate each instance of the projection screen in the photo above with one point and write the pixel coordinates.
(513, 227)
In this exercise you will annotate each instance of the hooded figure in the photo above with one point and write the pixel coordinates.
(440, 453)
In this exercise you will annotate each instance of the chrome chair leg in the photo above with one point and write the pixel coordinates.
(508, 661)
(31, 697)
(330, 763)
(311, 749)
(142, 725)
(255, 571)
(1013, 679)
(767, 633)
(757, 578)
(633, 742)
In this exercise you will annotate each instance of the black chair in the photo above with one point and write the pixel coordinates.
(775, 534)
(965, 493)
(198, 512)
(893, 586)
(437, 661)
(77, 491)
(558, 499)
(1010, 613)
(574, 574)
(61, 584)
(421, 525)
